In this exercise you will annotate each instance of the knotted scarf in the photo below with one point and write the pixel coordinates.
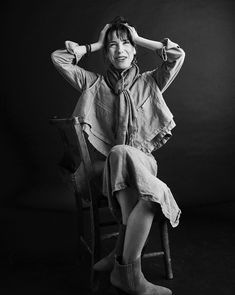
(125, 110)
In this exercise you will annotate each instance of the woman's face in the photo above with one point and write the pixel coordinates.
(120, 51)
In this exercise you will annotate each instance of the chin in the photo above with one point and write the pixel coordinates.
(121, 68)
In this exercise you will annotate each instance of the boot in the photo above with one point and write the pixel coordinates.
(130, 279)
(107, 263)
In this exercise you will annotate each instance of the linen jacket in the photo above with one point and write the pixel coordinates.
(95, 108)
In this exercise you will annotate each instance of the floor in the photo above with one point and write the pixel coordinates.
(38, 253)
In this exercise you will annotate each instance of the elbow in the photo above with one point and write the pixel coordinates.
(54, 57)
(57, 58)
(181, 57)
(182, 53)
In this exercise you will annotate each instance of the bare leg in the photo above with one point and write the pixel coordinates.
(127, 199)
(138, 216)
(138, 228)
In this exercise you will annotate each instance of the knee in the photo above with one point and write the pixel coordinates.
(118, 149)
(117, 152)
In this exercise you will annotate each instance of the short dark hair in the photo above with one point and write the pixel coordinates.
(118, 25)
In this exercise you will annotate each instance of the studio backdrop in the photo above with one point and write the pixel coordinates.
(198, 161)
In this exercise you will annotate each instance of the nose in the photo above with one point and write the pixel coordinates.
(119, 48)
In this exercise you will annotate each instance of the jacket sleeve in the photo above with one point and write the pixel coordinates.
(173, 58)
(66, 63)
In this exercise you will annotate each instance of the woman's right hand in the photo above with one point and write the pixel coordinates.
(102, 34)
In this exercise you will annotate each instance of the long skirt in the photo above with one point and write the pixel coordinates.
(127, 166)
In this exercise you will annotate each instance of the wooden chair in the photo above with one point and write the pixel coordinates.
(90, 200)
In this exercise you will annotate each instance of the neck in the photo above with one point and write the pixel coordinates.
(121, 72)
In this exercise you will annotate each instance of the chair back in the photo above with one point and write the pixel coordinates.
(76, 159)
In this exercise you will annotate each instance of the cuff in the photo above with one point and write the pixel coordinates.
(71, 48)
(167, 44)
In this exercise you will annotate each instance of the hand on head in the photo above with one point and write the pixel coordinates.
(115, 22)
(121, 20)
(133, 32)
(102, 34)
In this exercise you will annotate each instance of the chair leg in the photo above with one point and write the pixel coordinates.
(79, 223)
(166, 248)
(95, 246)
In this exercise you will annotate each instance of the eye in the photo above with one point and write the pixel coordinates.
(112, 45)
(126, 42)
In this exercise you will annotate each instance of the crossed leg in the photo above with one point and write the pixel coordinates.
(138, 216)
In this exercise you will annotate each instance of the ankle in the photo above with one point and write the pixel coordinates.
(128, 259)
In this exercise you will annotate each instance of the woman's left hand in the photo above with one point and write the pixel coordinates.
(133, 32)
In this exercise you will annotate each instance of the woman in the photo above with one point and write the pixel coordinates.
(126, 118)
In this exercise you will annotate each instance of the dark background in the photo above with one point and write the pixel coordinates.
(37, 217)
(197, 163)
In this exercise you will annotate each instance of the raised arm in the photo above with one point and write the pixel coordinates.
(66, 62)
(171, 54)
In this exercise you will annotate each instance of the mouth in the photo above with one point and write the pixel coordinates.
(120, 58)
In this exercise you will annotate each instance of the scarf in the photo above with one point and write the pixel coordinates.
(125, 110)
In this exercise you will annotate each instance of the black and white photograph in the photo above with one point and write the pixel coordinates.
(117, 144)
